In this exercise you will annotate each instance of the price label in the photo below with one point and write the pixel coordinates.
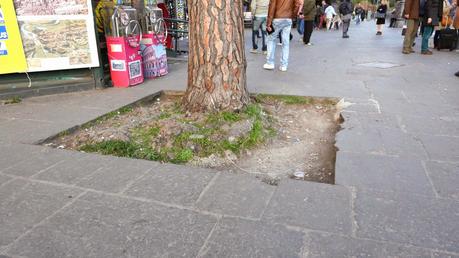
(3, 50)
(3, 33)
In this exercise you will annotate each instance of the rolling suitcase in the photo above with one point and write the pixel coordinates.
(446, 39)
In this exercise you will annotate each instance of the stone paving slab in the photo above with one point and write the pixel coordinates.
(411, 219)
(24, 204)
(117, 175)
(236, 238)
(330, 245)
(311, 205)
(431, 126)
(102, 226)
(4, 179)
(445, 178)
(71, 171)
(35, 163)
(29, 131)
(370, 141)
(383, 173)
(172, 184)
(236, 195)
(441, 148)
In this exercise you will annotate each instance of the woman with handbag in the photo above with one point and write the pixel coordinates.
(381, 17)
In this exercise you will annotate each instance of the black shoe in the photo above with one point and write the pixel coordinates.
(457, 74)
(345, 36)
(379, 33)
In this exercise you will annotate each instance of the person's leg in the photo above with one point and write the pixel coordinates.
(328, 23)
(280, 36)
(271, 44)
(308, 28)
(425, 38)
(407, 42)
(263, 34)
(414, 32)
(346, 24)
(255, 31)
(286, 28)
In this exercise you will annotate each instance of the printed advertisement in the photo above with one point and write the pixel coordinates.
(57, 34)
(11, 53)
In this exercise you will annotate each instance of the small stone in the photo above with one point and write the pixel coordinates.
(231, 139)
(196, 136)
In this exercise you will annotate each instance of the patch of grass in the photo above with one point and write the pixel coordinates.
(13, 100)
(108, 116)
(207, 138)
(145, 134)
(164, 115)
(287, 99)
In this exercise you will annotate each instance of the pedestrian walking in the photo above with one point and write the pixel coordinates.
(280, 14)
(345, 10)
(430, 12)
(381, 17)
(358, 14)
(308, 15)
(260, 10)
(329, 14)
(411, 14)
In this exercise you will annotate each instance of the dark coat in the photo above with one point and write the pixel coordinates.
(433, 9)
(412, 9)
(309, 10)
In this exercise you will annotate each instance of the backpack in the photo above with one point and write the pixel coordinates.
(345, 8)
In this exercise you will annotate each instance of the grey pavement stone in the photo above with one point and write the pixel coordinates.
(118, 174)
(396, 142)
(311, 205)
(4, 179)
(236, 195)
(35, 163)
(444, 255)
(382, 173)
(361, 120)
(445, 178)
(241, 238)
(12, 154)
(441, 148)
(431, 126)
(23, 205)
(408, 219)
(29, 131)
(102, 226)
(369, 141)
(329, 245)
(72, 171)
(172, 184)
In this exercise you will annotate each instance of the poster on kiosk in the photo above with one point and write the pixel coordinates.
(154, 35)
(123, 38)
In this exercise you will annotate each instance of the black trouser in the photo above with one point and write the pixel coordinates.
(308, 28)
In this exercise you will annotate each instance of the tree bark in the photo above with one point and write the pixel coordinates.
(216, 62)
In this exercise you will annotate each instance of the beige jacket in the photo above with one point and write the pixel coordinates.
(259, 8)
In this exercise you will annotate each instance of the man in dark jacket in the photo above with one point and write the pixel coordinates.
(411, 14)
(431, 12)
(309, 12)
(345, 10)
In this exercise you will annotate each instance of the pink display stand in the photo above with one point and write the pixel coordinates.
(125, 61)
(154, 56)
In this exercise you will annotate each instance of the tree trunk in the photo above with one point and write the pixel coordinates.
(216, 62)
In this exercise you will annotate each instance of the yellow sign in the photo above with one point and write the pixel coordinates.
(12, 58)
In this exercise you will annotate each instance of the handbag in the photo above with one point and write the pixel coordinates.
(379, 15)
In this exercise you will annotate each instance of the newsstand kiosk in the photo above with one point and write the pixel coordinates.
(154, 35)
(123, 45)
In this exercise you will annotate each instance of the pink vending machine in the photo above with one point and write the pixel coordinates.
(154, 36)
(123, 44)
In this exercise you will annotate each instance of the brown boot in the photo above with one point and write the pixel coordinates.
(426, 52)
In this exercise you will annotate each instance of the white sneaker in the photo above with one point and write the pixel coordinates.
(283, 68)
(309, 44)
(268, 66)
(253, 51)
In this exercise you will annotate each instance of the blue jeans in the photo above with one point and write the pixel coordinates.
(284, 25)
(428, 30)
(259, 23)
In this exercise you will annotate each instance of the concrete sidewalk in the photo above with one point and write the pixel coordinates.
(397, 169)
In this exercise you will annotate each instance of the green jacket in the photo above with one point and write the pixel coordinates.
(309, 10)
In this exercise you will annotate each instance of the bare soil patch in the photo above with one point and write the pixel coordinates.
(274, 137)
